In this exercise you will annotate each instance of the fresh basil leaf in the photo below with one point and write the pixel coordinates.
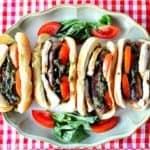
(66, 127)
(79, 134)
(58, 116)
(81, 30)
(69, 126)
(90, 119)
(74, 135)
(105, 20)
(61, 117)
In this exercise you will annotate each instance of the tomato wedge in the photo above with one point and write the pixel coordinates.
(106, 32)
(125, 86)
(64, 88)
(106, 63)
(64, 53)
(127, 59)
(50, 28)
(108, 99)
(105, 125)
(43, 118)
(18, 82)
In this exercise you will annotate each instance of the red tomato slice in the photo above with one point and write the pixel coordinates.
(105, 125)
(43, 118)
(106, 32)
(50, 28)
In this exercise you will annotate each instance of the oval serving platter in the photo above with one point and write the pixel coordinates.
(130, 119)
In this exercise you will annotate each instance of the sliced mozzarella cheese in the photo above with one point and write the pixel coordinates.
(45, 51)
(3, 53)
(144, 58)
(4, 105)
(92, 62)
(3, 101)
(111, 46)
(141, 103)
(52, 97)
(146, 85)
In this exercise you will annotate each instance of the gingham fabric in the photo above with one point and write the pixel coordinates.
(12, 10)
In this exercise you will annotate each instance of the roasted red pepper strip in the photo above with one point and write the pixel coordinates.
(64, 53)
(127, 59)
(64, 88)
(125, 86)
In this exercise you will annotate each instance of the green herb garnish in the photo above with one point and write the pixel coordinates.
(59, 70)
(81, 30)
(70, 127)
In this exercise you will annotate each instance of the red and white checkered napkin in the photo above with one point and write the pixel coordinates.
(12, 10)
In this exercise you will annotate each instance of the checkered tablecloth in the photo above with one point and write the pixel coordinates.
(12, 10)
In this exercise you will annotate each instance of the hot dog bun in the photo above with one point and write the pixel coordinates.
(83, 59)
(144, 56)
(24, 56)
(39, 93)
(118, 75)
(25, 71)
(85, 66)
(41, 85)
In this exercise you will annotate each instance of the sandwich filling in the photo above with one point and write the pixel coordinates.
(57, 67)
(97, 85)
(8, 80)
(132, 87)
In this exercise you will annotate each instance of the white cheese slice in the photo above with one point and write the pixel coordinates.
(92, 62)
(143, 59)
(45, 51)
(3, 53)
(3, 101)
(52, 97)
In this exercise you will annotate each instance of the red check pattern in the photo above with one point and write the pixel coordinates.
(12, 10)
